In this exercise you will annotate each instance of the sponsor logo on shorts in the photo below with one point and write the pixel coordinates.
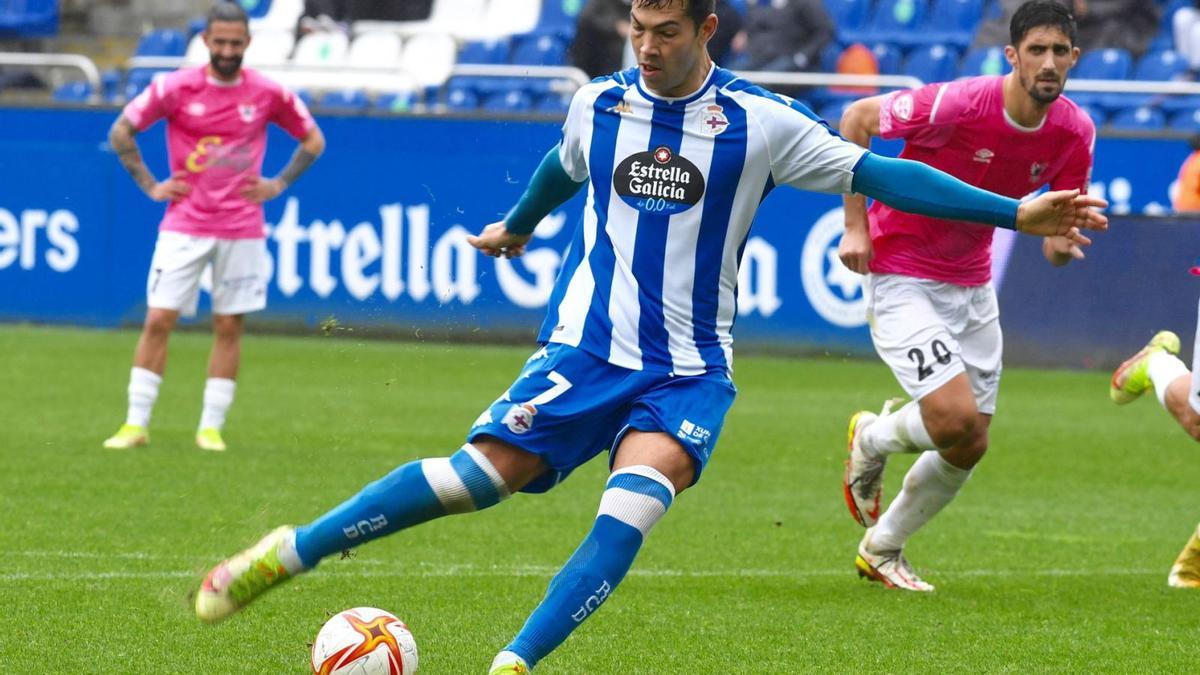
(519, 418)
(690, 431)
(658, 182)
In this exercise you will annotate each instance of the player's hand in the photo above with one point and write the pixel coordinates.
(855, 249)
(497, 241)
(1063, 213)
(172, 189)
(1062, 250)
(258, 189)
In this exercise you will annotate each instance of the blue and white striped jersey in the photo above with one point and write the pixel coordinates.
(650, 278)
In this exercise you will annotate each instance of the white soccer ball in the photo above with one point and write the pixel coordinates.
(364, 641)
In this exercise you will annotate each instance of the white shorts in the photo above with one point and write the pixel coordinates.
(930, 331)
(240, 269)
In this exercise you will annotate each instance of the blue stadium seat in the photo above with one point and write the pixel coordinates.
(162, 42)
(395, 102)
(539, 50)
(1160, 66)
(897, 21)
(850, 17)
(952, 22)
(1139, 119)
(984, 61)
(28, 18)
(829, 57)
(255, 9)
(932, 64)
(554, 104)
(1186, 120)
(349, 100)
(558, 19)
(1176, 104)
(138, 78)
(460, 99)
(1104, 64)
(888, 56)
(73, 92)
(1098, 115)
(489, 52)
(110, 84)
(832, 112)
(515, 101)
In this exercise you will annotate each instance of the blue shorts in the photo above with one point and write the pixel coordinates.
(568, 405)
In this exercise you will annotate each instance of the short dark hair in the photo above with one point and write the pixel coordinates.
(1039, 13)
(697, 10)
(227, 11)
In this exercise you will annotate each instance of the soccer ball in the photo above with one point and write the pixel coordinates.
(364, 641)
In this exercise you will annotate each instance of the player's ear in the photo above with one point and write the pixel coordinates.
(708, 28)
(1074, 56)
(1010, 55)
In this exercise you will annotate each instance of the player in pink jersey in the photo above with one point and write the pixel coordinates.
(217, 117)
(932, 309)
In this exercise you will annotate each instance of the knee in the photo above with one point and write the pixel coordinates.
(227, 328)
(159, 324)
(951, 425)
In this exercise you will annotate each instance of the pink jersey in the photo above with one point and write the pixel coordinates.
(962, 128)
(217, 135)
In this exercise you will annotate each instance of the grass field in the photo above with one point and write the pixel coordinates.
(1053, 559)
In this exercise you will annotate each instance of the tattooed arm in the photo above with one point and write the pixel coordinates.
(121, 138)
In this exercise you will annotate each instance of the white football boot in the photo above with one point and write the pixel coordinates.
(890, 568)
(862, 483)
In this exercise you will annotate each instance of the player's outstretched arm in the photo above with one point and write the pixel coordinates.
(919, 188)
(121, 138)
(549, 187)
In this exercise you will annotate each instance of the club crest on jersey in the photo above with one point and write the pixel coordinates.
(1036, 170)
(246, 112)
(658, 181)
(519, 418)
(902, 107)
(984, 155)
(713, 120)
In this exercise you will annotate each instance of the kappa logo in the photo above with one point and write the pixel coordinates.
(519, 418)
(984, 155)
(621, 108)
(713, 120)
(246, 112)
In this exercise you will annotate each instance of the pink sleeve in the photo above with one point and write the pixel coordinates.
(154, 103)
(1077, 172)
(925, 115)
(291, 114)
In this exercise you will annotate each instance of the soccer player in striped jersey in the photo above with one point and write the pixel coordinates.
(1157, 366)
(933, 311)
(636, 348)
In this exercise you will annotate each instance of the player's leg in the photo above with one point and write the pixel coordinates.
(1185, 573)
(479, 475)
(503, 454)
(172, 288)
(670, 434)
(240, 272)
(221, 384)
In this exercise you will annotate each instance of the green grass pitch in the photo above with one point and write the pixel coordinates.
(1053, 558)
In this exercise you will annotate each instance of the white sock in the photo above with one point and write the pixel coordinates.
(288, 556)
(143, 392)
(218, 396)
(505, 658)
(929, 486)
(1164, 368)
(901, 431)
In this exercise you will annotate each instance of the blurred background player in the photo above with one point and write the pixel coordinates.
(217, 117)
(1158, 366)
(934, 316)
(636, 355)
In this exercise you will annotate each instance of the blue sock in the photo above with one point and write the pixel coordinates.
(412, 494)
(634, 499)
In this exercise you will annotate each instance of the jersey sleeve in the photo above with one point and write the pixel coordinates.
(804, 152)
(570, 150)
(290, 113)
(155, 102)
(925, 115)
(1076, 173)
